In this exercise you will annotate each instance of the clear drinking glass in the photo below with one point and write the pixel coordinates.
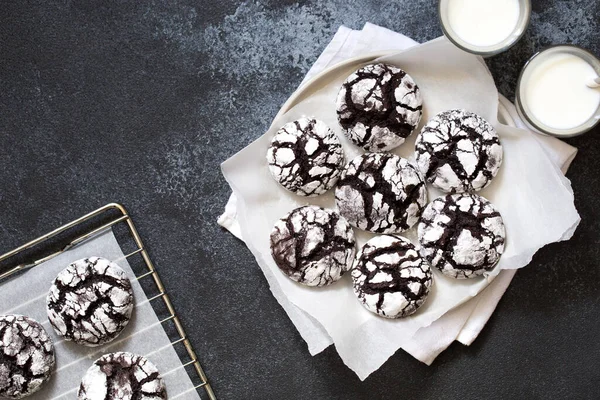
(486, 51)
(520, 96)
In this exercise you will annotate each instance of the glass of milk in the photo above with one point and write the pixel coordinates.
(557, 93)
(484, 27)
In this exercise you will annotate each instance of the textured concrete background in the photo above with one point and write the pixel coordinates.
(139, 102)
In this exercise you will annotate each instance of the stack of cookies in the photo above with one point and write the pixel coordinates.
(458, 152)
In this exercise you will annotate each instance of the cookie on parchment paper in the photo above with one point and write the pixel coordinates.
(381, 193)
(458, 151)
(90, 301)
(313, 246)
(462, 235)
(26, 356)
(379, 106)
(122, 376)
(306, 157)
(390, 278)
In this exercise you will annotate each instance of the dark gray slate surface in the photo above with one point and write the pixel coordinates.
(139, 102)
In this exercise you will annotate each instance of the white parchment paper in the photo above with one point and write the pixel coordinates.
(533, 196)
(144, 335)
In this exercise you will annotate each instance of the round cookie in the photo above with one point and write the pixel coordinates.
(379, 106)
(462, 235)
(381, 192)
(390, 277)
(122, 376)
(26, 356)
(306, 157)
(458, 151)
(90, 301)
(313, 246)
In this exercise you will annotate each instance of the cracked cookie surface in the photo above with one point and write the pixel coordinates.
(458, 151)
(313, 246)
(390, 278)
(122, 376)
(90, 301)
(26, 356)
(462, 235)
(306, 157)
(381, 193)
(379, 106)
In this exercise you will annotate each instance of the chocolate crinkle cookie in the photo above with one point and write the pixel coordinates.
(458, 151)
(379, 106)
(90, 301)
(381, 192)
(26, 356)
(462, 235)
(390, 277)
(313, 246)
(306, 157)
(122, 376)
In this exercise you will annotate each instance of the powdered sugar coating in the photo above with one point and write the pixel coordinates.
(458, 151)
(390, 278)
(313, 246)
(122, 376)
(381, 192)
(379, 106)
(26, 356)
(306, 157)
(462, 235)
(90, 301)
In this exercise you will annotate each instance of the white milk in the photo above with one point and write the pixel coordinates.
(483, 22)
(556, 92)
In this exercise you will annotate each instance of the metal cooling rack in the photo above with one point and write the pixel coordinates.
(78, 231)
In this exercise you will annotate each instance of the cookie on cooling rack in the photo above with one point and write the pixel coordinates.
(458, 151)
(313, 246)
(462, 235)
(122, 376)
(306, 157)
(379, 106)
(390, 277)
(26, 356)
(90, 301)
(381, 193)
